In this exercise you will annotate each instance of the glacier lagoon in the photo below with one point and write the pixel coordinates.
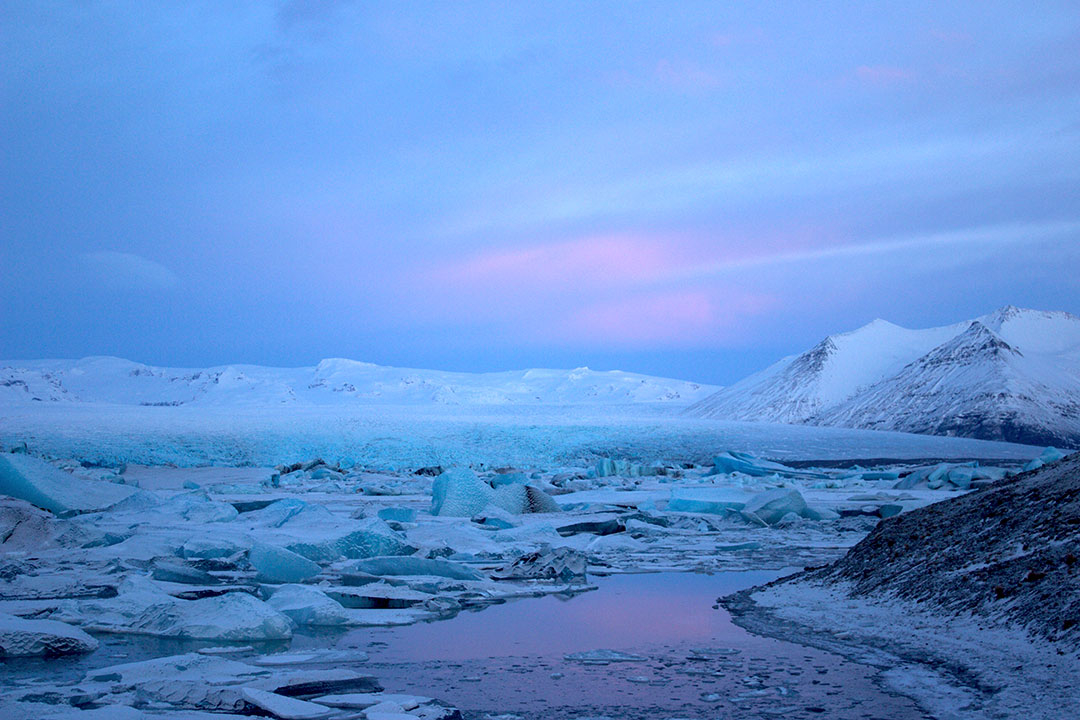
(321, 581)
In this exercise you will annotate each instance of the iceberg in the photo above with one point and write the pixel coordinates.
(306, 605)
(27, 638)
(141, 608)
(278, 565)
(40, 484)
(710, 500)
(772, 505)
(560, 564)
(320, 535)
(401, 565)
(286, 708)
(397, 514)
(1049, 455)
(458, 492)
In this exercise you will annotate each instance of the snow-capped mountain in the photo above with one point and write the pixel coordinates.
(122, 382)
(1011, 375)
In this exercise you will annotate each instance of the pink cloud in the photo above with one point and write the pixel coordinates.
(601, 260)
(883, 74)
(686, 318)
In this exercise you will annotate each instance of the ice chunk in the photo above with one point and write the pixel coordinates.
(603, 657)
(820, 513)
(605, 467)
(496, 517)
(166, 571)
(197, 507)
(1048, 456)
(141, 608)
(746, 464)
(24, 527)
(306, 605)
(561, 564)
(278, 565)
(771, 505)
(458, 492)
(711, 500)
(210, 548)
(519, 499)
(318, 534)
(398, 514)
(39, 483)
(416, 566)
(181, 681)
(286, 708)
(23, 638)
(594, 527)
(361, 701)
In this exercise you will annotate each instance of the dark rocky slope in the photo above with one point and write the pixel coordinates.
(1008, 554)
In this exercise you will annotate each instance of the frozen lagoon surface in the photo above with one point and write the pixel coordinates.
(239, 560)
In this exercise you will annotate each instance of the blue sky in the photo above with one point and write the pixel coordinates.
(689, 190)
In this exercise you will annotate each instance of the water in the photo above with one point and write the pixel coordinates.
(510, 658)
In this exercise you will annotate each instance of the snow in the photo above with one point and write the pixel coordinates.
(334, 382)
(22, 638)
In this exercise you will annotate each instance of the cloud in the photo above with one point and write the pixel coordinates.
(686, 318)
(127, 270)
(597, 261)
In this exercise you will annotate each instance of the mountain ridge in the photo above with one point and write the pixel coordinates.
(1013, 374)
(106, 379)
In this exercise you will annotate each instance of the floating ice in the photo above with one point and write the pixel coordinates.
(711, 500)
(278, 565)
(458, 492)
(562, 564)
(39, 483)
(360, 701)
(166, 571)
(23, 638)
(141, 608)
(319, 535)
(305, 605)
(401, 565)
(603, 657)
(771, 505)
(286, 708)
(398, 514)
(1048, 456)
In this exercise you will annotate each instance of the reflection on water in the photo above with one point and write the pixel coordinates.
(627, 611)
(510, 658)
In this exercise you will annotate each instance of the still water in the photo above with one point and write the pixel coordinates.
(509, 658)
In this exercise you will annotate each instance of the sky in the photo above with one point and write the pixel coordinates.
(690, 190)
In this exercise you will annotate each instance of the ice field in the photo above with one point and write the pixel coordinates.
(185, 561)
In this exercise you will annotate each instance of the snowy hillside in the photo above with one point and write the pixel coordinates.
(336, 381)
(1011, 375)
